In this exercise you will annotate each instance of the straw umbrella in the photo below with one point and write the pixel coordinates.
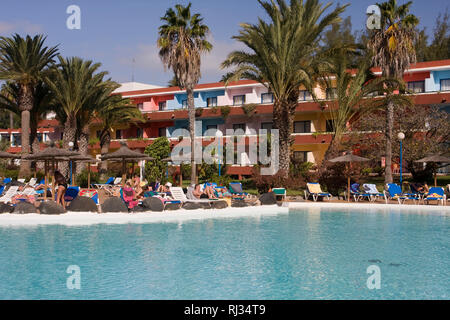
(349, 158)
(435, 159)
(124, 155)
(50, 154)
(7, 155)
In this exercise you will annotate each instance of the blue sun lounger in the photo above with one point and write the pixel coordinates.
(394, 192)
(435, 194)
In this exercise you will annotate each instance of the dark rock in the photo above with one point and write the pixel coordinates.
(82, 204)
(239, 204)
(6, 208)
(51, 208)
(268, 199)
(114, 204)
(219, 205)
(138, 209)
(153, 204)
(172, 206)
(24, 208)
(192, 206)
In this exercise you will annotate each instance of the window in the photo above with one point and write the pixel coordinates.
(17, 141)
(302, 127)
(139, 133)
(267, 125)
(184, 103)
(5, 137)
(118, 134)
(445, 85)
(162, 105)
(211, 102)
(301, 156)
(40, 137)
(331, 93)
(239, 126)
(162, 132)
(329, 126)
(211, 127)
(140, 106)
(267, 98)
(416, 86)
(305, 95)
(238, 100)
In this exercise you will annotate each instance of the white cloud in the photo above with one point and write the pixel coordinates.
(147, 60)
(22, 26)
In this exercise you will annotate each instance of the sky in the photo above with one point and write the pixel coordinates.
(116, 32)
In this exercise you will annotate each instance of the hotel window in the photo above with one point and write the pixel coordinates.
(238, 100)
(267, 98)
(445, 85)
(301, 156)
(331, 93)
(162, 132)
(139, 133)
(40, 137)
(329, 126)
(17, 140)
(5, 137)
(140, 106)
(302, 127)
(211, 102)
(267, 125)
(184, 103)
(162, 105)
(118, 134)
(305, 95)
(416, 86)
(239, 126)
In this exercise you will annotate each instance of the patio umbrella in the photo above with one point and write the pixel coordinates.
(435, 159)
(50, 154)
(85, 159)
(7, 155)
(124, 155)
(349, 158)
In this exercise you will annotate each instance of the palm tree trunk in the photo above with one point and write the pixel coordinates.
(25, 105)
(283, 121)
(389, 132)
(69, 135)
(105, 142)
(83, 145)
(191, 105)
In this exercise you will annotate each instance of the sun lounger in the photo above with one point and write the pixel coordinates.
(435, 194)
(394, 192)
(6, 181)
(315, 191)
(372, 191)
(357, 194)
(21, 180)
(11, 192)
(89, 193)
(280, 192)
(236, 189)
(178, 195)
(107, 184)
(32, 182)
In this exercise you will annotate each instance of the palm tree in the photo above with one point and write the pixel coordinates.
(281, 55)
(182, 40)
(393, 50)
(115, 112)
(74, 84)
(25, 61)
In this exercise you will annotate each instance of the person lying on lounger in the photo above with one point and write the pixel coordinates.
(25, 194)
(207, 193)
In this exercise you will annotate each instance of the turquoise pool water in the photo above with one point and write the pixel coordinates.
(306, 254)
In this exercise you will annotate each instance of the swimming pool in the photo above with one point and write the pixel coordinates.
(316, 253)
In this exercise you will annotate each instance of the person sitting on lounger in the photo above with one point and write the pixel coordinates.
(165, 189)
(207, 193)
(61, 184)
(25, 194)
(419, 187)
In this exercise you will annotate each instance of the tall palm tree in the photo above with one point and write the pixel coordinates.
(281, 55)
(74, 84)
(182, 41)
(115, 112)
(393, 50)
(25, 61)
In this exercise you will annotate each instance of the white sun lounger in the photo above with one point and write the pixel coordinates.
(21, 180)
(178, 194)
(32, 182)
(12, 191)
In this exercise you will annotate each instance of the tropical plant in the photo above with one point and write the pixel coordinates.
(156, 169)
(393, 50)
(25, 61)
(281, 55)
(182, 41)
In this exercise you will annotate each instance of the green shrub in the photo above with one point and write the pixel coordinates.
(82, 179)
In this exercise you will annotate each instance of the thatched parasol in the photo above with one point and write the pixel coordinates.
(124, 155)
(7, 155)
(435, 159)
(349, 158)
(50, 154)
